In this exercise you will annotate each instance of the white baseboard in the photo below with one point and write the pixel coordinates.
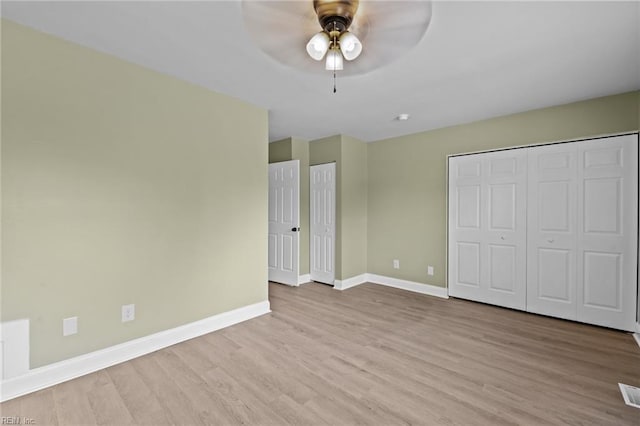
(429, 289)
(415, 287)
(350, 282)
(304, 279)
(52, 374)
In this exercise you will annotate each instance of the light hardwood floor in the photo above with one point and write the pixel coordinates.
(369, 355)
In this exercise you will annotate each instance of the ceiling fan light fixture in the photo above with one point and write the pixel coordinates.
(334, 60)
(350, 46)
(318, 45)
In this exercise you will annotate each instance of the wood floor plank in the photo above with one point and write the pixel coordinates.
(71, 401)
(176, 404)
(203, 401)
(370, 355)
(294, 413)
(140, 401)
(239, 398)
(40, 407)
(106, 402)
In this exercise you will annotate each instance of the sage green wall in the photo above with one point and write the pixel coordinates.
(353, 213)
(280, 151)
(121, 185)
(407, 176)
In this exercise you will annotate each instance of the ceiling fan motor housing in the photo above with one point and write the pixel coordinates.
(335, 15)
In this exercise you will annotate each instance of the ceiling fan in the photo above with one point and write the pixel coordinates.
(368, 34)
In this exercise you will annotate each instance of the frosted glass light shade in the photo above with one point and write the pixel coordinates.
(334, 60)
(318, 45)
(350, 46)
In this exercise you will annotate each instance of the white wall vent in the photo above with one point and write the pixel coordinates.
(14, 348)
(631, 395)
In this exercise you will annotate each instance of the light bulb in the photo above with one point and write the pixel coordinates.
(318, 45)
(334, 60)
(350, 46)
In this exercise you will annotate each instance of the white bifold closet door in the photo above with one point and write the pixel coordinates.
(549, 229)
(582, 240)
(487, 228)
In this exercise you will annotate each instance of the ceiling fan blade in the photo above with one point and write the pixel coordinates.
(396, 13)
(282, 13)
(392, 28)
(400, 21)
(282, 29)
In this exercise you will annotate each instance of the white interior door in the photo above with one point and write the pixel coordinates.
(607, 231)
(487, 230)
(551, 238)
(284, 221)
(323, 227)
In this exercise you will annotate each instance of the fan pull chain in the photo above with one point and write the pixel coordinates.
(334, 80)
(335, 43)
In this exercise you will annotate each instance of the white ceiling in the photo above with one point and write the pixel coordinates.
(477, 60)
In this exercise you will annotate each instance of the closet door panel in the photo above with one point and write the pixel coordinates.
(555, 275)
(554, 209)
(468, 270)
(607, 231)
(468, 199)
(466, 233)
(502, 268)
(505, 183)
(551, 230)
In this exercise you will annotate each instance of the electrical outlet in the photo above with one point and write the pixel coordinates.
(69, 326)
(429, 270)
(128, 312)
(396, 264)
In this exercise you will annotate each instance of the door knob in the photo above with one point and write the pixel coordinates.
(502, 238)
(550, 240)
(295, 229)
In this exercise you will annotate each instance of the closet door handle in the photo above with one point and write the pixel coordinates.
(550, 240)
